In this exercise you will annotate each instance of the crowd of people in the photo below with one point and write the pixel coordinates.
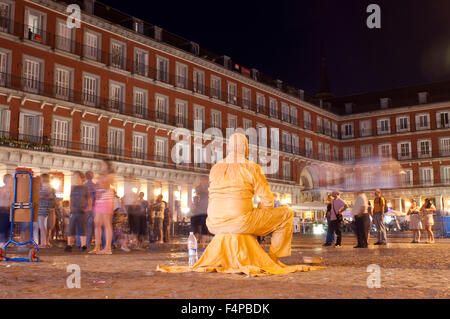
(96, 216)
(365, 216)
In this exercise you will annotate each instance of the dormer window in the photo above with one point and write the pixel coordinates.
(423, 97)
(348, 108)
(385, 102)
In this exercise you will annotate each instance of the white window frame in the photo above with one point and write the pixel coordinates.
(419, 148)
(402, 181)
(116, 105)
(97, 89)
(87, 147)
(181, 118)
(69, 89)
(445, 174)
(366, 151)
(181, 79)
(365, 128)
(309, 150)
(58, 142)
(116, 150)
(122, 58)
(442, 141)
(422, 128)
(5, 68)
(380, 152)
(232, 93)
(40, 76)
(165, 142)
(158, 113)
(246, 98)
(61, 41)
(294, 115)
(139, 154)
(88, 50)
(138, 65)
(232, 118)
(285, 112)
(348, 153)
(260, 103)
(307, 124)
(398, 123)
(214, 115)
(199, 109)
(140, 110)
(162, 75)
(344, 130)
(421, 175)
(399, 150)
(198, 78)
(273, 107)
(5, 121)
(247, 123)
(10, 16)
(287, 169)
(335, 153)
(439, 124)
(216, 87)
(41, 28)
(381, 129)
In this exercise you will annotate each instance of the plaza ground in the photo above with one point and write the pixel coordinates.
(407, 271)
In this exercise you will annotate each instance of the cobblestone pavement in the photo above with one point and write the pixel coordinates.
(407, 271)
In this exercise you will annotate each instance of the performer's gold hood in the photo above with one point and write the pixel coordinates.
(238, 145)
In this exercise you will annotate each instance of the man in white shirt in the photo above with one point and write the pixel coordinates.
(361, 215)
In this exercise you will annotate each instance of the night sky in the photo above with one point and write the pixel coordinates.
(286, 39)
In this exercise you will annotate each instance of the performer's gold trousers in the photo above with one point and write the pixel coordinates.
(261, 222)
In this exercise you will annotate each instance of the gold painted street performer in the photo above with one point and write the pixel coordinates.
(235, 222)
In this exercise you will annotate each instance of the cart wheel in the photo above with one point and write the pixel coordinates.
(33, 255)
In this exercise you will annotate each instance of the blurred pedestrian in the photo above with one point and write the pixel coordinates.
(140, 220)
(104, 208)
(330, 235)
(5, 205)
(46, 203)
(415, 224)
(66, 217)
(362, 222)
(80, 205)
(158, 209)
(428, 210)
(379, 208)
(200, 210)
(338, 206)
(121, 229)
(131, 203)
(167, 221)
(90, 217)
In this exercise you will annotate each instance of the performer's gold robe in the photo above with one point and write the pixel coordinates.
(233, 184)
(234, 220)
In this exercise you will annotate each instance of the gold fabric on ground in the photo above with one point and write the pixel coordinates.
(233, 253)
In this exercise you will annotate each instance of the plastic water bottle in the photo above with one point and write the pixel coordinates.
(192, 249)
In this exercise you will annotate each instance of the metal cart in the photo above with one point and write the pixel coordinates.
(26, 207)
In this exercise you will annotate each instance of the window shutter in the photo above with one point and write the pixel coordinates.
(6, 118)
(21, 122)
(40, 133)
